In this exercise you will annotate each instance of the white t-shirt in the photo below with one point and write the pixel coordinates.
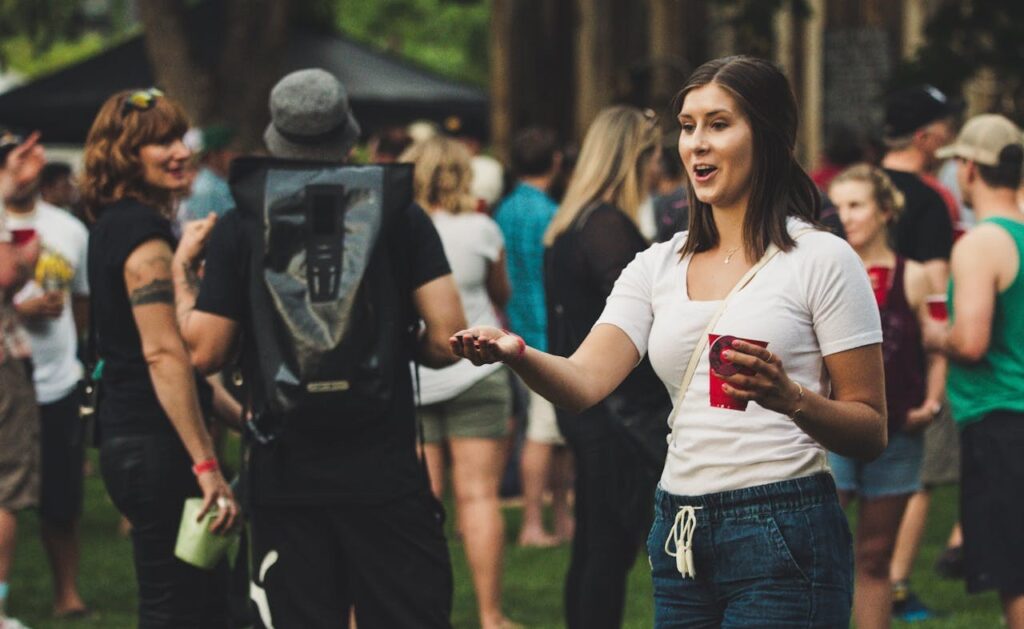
(472, 242)
(808, 303)
(62, 266)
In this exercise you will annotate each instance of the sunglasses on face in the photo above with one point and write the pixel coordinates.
(142, 100)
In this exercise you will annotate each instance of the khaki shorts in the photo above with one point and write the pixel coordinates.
(482, 411)
(941, 463)
(19, 439)
(541, 424)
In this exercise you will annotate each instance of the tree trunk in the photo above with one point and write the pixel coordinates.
(594, 66)
(255, 38)
(667, 52)
(502, 22)
(234, 89)
(170, 56)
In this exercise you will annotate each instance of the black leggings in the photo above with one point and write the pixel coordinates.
(148, 478)
(614, 506)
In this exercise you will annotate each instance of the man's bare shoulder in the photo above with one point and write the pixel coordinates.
(987, 249)
(981, 237)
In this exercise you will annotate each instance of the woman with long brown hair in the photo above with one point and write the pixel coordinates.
(155, 450)
(765, 332)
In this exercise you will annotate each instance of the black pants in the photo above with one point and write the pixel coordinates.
(311, 563)
(148, 478)
(991, 510)
(614, 507)
(62, 448)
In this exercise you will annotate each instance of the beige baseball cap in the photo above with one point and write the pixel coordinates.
(982, 138)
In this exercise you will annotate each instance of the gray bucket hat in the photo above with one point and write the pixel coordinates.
(310, 117)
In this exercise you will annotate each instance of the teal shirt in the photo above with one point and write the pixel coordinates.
(996, 382)
(523, 217)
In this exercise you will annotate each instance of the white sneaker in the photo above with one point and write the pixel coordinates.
(11, 623)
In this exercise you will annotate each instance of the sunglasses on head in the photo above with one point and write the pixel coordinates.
(650, 116)
(142, 100)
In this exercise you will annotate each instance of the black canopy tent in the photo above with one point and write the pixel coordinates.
(382, 88)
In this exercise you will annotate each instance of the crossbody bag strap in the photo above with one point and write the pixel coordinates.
(702, 342)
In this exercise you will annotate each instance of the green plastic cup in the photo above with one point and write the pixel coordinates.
(196, 545)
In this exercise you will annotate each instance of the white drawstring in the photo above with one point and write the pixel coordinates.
(682, 535)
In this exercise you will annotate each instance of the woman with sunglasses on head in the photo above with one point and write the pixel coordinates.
(748, 531)
(155, 450)
(591, 238)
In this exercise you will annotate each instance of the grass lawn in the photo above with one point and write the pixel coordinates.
(533, 578)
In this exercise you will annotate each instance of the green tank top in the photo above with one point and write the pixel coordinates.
(997, 381)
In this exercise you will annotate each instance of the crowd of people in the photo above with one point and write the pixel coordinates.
(679, 341)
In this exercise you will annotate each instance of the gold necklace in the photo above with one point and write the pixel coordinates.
(729, 254)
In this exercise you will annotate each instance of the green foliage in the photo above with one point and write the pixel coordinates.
(964, 37)
(37, 36)
(445, 36)
(41, 22)
(21, 55)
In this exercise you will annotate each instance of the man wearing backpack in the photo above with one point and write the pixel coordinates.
(341, 509)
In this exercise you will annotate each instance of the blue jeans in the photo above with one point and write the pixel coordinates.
(777, 555)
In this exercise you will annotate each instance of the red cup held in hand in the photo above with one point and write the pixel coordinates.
(937, 307)
(21, 236)
(722, 367)
(879, 276)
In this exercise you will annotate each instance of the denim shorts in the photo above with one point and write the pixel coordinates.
(777, 555)
(895, 473)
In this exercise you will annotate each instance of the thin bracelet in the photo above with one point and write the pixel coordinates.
(800, 398)
(209, 465)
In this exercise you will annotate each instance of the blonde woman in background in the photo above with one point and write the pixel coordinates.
(461, 406)
(868, 203)
(591, 238)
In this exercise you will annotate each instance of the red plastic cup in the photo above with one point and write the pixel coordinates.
(21, 236)
(879, 276)
(937, 307)
(721, 366)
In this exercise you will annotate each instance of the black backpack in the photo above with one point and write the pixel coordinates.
(324, 330)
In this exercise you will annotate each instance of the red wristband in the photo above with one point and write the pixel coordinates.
(209, 465)
(522, 343)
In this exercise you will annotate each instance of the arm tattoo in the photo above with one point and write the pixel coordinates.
(156, 292)
(191, 276)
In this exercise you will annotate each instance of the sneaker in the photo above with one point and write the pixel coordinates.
(7, 622)
(910, 609)
(950, 564)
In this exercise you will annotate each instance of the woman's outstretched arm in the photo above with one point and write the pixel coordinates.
(576, 383)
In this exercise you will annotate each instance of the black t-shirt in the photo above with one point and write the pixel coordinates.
(580, 270)
(924, 230)
(671, 213)
(308, 463)
(130, 405)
